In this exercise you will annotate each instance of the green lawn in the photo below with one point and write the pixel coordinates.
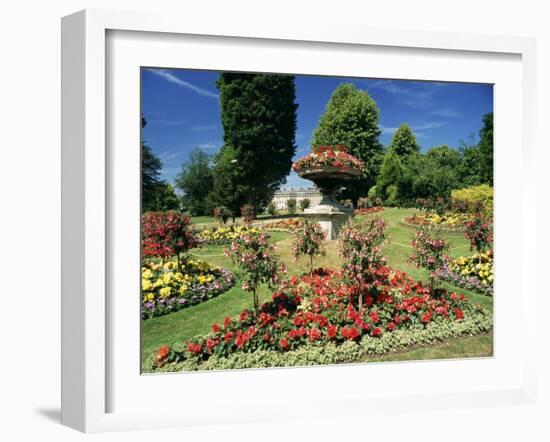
(186, 323)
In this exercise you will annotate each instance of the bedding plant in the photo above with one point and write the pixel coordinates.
(310, 320)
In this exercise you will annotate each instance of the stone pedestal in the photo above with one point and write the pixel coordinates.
(331, 216)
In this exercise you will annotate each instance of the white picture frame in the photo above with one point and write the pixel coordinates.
(86, 208)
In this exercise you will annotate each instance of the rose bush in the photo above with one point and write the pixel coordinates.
(309, 241)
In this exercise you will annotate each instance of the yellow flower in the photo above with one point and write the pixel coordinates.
(165, 292)
(146, 273)
(146, 284)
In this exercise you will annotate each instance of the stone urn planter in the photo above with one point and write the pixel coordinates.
(328, 179)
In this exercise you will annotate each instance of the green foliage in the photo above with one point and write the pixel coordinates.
(351, 118)
(403, 142)
(485, 147)
(475, 197)
(256, 258)
(315, 354)
(291, 205)
(305, 203)
(432, 175)
(391, 175)
(195, 182)
(271, 209)
(392, 195)
(259, 122)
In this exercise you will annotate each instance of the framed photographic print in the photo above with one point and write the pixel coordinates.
(241, 215)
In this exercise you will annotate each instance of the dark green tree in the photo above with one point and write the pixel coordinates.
(485, 147)
(196, 181)
(403, 142)
(391, 176)
(351, 118)
(166, 198)
(259, 122)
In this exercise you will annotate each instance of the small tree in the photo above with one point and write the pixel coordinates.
(309, 241)
(222, 214)
(248, 212)
(257, 260)
(428, 253)
(305, 203)
(166, 234)
(361, 247)
(479, 232)
(291, 205)
(271, 209)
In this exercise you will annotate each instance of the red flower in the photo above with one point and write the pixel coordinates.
(227, 322)
(350, 333)
(314, 334)
(374, 317)
(458, 313)
(228, 336)
(194, 348)
(163, 353)
(426, 317)
(391, 326)
(244, 315)
(210, 344)
(283, 343)
(332, 330)
(298, 321)
(376, 331)
(215, 328)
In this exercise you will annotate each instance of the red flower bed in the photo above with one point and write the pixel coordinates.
(316, 308)
(367, 210)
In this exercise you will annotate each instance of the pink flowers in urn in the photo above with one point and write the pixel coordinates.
(328, 156)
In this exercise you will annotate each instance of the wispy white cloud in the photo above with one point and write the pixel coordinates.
(396, 88)
(164, 122)
(204, 128)
(446, 112)
(168, 76)
(416, 128)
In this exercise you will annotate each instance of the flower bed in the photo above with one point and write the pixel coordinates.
(473, 273)
(286, 225)
(449, 220)
(329, 156)
(224, 235)
(166, 290)
(368, 210)
(315, 311)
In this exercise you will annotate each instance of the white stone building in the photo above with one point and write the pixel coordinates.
(283, 195)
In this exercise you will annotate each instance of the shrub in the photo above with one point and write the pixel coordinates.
(222, 214)
(479, 232)
(309, 241)
(428, 252)
(305, 203)
(257, 261)
(474, 199)
(364, 203)
(291, 205)
(361, 246)
(248, 212)
(271, 209)
(392, 195)
(166, 234)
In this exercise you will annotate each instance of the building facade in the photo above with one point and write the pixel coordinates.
(282, 196)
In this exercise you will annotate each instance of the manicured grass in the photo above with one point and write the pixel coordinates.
(465, 347)
(198, 319)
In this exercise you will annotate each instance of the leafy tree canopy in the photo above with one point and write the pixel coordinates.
(403, 142)
(196, 181)
(351, 118)
(259, 122)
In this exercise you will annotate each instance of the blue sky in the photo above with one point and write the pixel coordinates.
(182, 111)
